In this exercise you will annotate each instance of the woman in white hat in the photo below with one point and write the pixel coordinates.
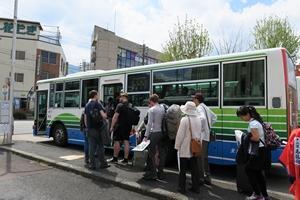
(190, 127)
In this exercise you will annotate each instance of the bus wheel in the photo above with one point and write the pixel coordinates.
(60, 135)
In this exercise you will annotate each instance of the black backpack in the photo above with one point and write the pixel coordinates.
(164, 124)
(96, 117)
(82, 124)
(133, 115)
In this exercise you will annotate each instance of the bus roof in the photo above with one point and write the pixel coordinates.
(202, 60)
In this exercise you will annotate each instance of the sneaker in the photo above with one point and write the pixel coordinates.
(124, 161)
(255, 197)
(113, 160)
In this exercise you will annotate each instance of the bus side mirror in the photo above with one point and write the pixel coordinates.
(276, 102)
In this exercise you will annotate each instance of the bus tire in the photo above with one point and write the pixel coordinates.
(60, 135)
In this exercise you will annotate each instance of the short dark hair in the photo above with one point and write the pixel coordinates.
(154, 98)
(199, 96)
(93, 93)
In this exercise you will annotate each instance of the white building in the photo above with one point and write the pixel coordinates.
(37, 57)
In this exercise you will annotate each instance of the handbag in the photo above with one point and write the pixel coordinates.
(196, 145)
(212, 134)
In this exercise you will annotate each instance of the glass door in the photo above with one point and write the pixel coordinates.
(41, 112)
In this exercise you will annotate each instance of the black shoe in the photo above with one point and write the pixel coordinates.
(207, 180)
(104, 166)
(113, 160)
(148, 176)
(91, 167)
(197, 191)
(181, 190)
(161, 175)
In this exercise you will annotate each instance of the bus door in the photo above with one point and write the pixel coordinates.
(41, 111)
(111, 86)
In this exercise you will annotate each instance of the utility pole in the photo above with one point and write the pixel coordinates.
(143, 54)
(12, 76)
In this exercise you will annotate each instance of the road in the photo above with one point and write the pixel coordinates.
(22, 179)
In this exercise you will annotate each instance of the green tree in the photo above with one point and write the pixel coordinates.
(187, 40)
(271, 32)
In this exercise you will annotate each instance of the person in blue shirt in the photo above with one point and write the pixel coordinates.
(94, 116)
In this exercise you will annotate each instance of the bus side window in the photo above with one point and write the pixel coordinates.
(244, 83)
(87, 86)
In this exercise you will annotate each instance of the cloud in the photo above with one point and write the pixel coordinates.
(144, 21)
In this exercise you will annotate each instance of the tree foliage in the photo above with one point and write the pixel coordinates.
(273, 31)
(187, 40)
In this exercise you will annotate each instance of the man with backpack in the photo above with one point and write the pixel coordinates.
(206, 134)
(154, 134)
(121, 127)
(94, 116)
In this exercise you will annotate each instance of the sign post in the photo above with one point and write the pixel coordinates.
(12, 78)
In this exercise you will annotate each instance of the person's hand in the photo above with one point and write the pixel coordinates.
(145, 139)
(111, 129)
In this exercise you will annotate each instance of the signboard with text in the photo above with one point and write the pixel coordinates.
(25, 30)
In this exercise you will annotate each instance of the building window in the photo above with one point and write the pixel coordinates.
(72, 94)
(48, 57)
(127, 58)
(19, 77)
(244, 83)
(20, 55)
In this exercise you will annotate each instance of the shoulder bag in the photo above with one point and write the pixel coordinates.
(196, 145)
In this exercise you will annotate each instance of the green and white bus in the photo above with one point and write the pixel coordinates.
(264, 78)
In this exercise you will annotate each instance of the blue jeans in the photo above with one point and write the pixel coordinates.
(86, 148)
(96, 147)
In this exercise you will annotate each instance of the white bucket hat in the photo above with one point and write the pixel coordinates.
(189, 108)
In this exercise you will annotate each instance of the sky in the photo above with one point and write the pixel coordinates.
(146, 21)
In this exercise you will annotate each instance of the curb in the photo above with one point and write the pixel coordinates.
(122, 183)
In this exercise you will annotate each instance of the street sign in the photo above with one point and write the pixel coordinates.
(4, 122)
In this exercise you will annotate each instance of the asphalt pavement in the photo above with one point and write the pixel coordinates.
(23, 179)
(224, 176)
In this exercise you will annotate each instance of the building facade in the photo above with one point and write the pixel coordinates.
(109, 51)
(37, 57)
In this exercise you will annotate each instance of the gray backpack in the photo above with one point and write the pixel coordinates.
(173, 117)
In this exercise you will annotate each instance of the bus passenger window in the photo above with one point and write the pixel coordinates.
(72, 94)
(52, 95)
(244, 83)
(58, 99)
(87, 86)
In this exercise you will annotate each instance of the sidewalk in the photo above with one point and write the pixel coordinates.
(124, 176)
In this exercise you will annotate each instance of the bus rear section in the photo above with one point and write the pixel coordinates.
(269, 84)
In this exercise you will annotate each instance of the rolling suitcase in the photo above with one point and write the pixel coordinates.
(242, 182)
